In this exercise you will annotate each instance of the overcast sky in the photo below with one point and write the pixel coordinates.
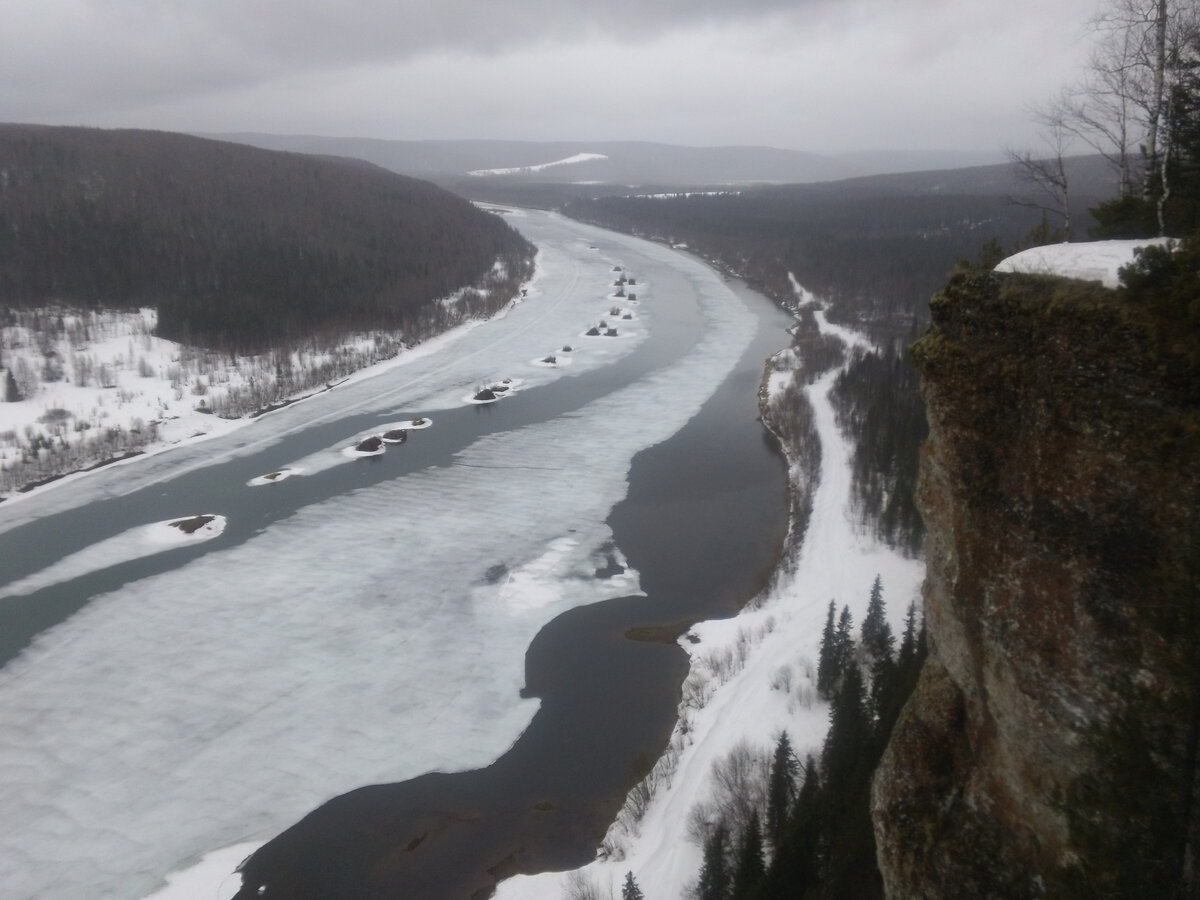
(821, 75)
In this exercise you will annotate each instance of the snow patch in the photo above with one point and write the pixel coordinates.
(273, 477)
(517, 170)
(1090, 261)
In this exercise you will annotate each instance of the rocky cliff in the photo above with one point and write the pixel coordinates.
(1050, 746)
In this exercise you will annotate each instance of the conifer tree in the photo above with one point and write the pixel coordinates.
(849, 728)
(714, 874)
(12, 393)
(750, 866)
(630, 890)
(877, 636)
(908, 643)
(843, 641)
(827, 659)
(884, 676)
(795, 866)
(781, 790)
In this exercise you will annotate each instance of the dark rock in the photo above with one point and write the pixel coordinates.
(192, 525)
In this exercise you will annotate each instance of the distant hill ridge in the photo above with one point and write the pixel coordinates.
(237, 247)
(611, 162)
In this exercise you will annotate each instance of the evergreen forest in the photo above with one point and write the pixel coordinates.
(239, 249)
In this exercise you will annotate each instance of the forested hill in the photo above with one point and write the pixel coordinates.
(238, 248)
(876, 248)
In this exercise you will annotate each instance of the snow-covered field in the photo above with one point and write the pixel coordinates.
(752, 676)
(1088, 261)
(360, 639)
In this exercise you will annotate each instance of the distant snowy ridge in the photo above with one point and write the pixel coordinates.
(517, 170)
(1089, 261)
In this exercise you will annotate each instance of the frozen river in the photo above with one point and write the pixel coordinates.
(366, 620)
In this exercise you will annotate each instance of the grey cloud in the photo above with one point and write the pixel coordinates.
(65, 56)
(361, 29)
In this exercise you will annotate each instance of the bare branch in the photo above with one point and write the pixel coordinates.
(1048, 171)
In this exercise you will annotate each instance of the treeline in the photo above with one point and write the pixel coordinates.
(815, 839)
(239, 249)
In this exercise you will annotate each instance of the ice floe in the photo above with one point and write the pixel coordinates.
(145, 540)
(273, 477)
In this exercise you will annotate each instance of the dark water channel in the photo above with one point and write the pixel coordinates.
(703, 521)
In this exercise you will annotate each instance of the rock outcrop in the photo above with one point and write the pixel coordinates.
(1050, 746)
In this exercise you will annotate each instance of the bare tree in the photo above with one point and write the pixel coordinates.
(1142, 46)
(1123, 100)
(1046, 169)
(1100, 108)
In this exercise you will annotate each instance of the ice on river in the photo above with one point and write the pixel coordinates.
(366, 638)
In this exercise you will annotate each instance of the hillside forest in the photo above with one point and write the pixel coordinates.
(238, 249)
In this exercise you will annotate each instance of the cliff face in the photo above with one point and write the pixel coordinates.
(1050, 746)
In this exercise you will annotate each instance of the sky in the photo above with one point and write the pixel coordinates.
(819, 75)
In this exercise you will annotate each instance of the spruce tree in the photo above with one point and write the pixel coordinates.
(849, 729)
(781, 790)
(795, 867)
(827, 671)
(908, 643)
(750, 866)
(714, 873)
(630, 890)
(843, 642)
(874, 618)
(877, 636)
(884, 678)
(12, 393)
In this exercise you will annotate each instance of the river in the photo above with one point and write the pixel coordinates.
(367, 621)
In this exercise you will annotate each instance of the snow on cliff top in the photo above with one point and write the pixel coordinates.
(515, 170)
(1092, 261)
